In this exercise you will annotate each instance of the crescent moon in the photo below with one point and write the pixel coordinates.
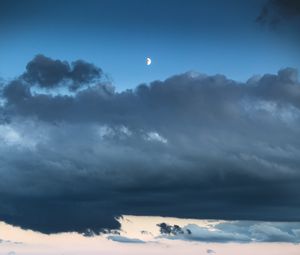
(148, 61)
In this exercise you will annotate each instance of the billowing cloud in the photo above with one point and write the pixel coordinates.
(190, 146)
(46, 72)
(16, 91)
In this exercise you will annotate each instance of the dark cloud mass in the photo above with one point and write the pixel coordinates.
(46, 72)
(276, 11)
(190, 146)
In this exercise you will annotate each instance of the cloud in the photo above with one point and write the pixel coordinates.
(210, 251)
(16, 92)
(48, 73)
(122, 239)
(165, 228)
(155, 137)
(204, 234)
(276, 11)
(236, 231)
(9, 242)
(193, 146)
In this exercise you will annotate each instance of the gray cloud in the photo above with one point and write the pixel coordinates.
(276, 11)
(239, 231)
(48, 73)
(16, 92)
(123, 239)
(165, 228)
(10, 242)
(193, 146)
(210, 251)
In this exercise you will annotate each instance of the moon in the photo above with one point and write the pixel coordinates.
(148, 61)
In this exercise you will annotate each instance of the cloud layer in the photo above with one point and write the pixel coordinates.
(190, 146)
(236, 231)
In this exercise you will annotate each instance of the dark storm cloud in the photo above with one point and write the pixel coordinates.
(46, 72)
(190, 146)
(275, 11)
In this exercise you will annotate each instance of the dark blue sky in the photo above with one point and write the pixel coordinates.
(204, 36)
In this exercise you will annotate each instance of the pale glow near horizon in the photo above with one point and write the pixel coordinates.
(27, 242)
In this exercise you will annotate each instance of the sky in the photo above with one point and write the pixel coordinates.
(206, 36)
(198, 151)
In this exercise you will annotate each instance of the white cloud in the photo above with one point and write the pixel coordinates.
(14, 136)
(155, 137)
(9, 135)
